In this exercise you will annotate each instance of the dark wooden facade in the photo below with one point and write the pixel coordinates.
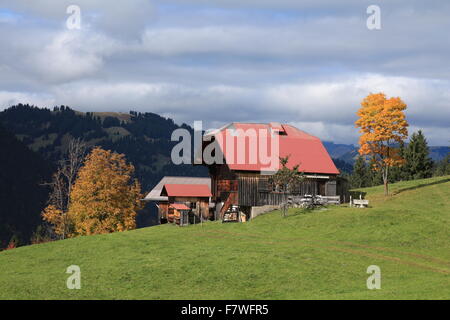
(251, 189)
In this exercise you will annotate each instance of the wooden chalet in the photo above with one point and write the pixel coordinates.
(182, 200)
(245, 184)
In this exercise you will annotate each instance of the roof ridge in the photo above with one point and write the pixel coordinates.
(185, 177)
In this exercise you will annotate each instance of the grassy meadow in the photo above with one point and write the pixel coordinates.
(320, 254)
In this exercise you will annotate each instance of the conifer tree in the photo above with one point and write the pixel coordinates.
(418, 163)
(359, 177)
(443, 167)
(399, 173)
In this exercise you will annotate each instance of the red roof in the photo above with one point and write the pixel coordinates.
(187, 190)
(179, 206)
(301, 147)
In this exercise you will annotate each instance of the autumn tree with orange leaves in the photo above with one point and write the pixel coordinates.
(61, 185)
(105, 198)
(383, 126)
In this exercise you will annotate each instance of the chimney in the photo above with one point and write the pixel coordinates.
(278, 127)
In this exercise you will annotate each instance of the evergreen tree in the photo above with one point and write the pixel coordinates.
(374, 177)
(400, 172)
(359, 177)
(443, 167)
(418, 162)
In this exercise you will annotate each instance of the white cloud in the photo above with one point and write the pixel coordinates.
(325, 108)
(10, 98)
(337, 100)
(329, 132)
(231, 60)
(119, 18)
(69, 56)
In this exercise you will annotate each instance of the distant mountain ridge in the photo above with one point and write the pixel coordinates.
(145, 138)
(349, 152)
(47, 132)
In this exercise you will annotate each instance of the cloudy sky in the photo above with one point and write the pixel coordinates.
(308, 63)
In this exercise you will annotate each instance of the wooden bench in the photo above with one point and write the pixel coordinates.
(359, 203)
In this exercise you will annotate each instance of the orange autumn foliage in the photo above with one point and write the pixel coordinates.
(383, 126)
(56, 218)
(104, 198)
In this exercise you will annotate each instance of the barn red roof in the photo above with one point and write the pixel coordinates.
(187, 190)
(179, 206)
(301, 147)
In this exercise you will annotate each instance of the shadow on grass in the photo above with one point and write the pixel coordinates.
(420, 186)
(300, 211)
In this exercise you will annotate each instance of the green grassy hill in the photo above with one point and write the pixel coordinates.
(323, 254)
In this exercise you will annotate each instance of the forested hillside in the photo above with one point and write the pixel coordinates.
(143, 137)
(22, 195)
(348, 153)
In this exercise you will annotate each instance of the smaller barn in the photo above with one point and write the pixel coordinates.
(179, 214)
(182, 200)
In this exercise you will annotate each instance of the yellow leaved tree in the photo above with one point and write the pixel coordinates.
(55, 214)
(383, 125)
(105, 198)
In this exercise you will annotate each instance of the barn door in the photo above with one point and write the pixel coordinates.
(322, 188)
